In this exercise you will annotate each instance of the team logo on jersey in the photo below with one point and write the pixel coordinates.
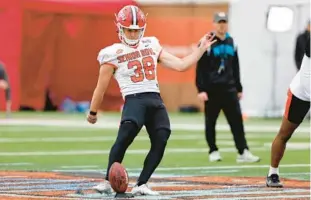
(146, 41)
(119, 51)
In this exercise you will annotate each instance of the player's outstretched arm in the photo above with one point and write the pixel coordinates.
(182, 64)
(105, 74)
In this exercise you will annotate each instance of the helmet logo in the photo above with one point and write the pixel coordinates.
(122, 16)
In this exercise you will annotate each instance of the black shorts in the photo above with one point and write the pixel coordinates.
(146, 109)
(296, 109)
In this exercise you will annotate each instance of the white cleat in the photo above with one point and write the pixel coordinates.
(247, 157)
(143, 190)
(215, 156)
(103, 188)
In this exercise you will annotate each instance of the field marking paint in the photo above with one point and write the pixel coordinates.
(136, 173)
(113, 138)
(264, 197)
(35, 181)
(80, 166)
(102, 124)
(15, 164)
(96, 152)
(172, 188)
(130, 151)
(296, 173)
(33, 196)
(216, 192)
(73, 196)
(296, 145)
(141, 137)
(168, 169)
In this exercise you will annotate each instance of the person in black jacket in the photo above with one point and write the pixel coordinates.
(219, 86)
(301, 43)
(5, 85)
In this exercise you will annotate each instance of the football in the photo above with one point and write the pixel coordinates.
(118, 178)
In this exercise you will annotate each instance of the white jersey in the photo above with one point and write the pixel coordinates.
(135, 68)
(300, 85)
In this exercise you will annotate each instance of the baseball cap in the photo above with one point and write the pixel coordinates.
(221, 16)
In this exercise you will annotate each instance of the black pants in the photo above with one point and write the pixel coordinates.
(296, 109)
(229, 103)
(139, 110)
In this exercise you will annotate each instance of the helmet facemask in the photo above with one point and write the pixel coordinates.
(127, 41)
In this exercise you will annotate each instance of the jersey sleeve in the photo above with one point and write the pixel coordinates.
(107, 56)
(156, 46)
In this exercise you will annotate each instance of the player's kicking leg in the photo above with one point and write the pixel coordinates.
(132, 121)
(295, 112)
(158, 128)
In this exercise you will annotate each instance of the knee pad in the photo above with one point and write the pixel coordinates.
(129, 125)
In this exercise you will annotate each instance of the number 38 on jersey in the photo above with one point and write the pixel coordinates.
(143, 69)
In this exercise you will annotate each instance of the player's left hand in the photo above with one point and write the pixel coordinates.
(92, 119)
(207, 41)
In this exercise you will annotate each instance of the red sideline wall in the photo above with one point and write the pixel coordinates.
(10, 40)
(54, 44)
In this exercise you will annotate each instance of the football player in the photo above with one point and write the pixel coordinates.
(133, 63)
(297, 106)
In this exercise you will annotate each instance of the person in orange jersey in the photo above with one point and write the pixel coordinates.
(297, 107)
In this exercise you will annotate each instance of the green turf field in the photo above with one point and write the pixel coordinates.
(65, 142)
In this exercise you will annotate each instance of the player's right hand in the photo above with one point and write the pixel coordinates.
(207, 41)
(202, 96)
(92, 119)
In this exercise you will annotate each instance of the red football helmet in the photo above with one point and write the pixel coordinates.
(130, 17)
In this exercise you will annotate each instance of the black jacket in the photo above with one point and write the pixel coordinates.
(218, 68)
(301, 43)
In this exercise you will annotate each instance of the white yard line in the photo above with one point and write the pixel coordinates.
(168, 169)
(15, 164)
(130, 151)
(175, 137)
(296, 145)
(136, 173)
(113, 125)
(296, 174)
(96, 152)
(80, 166)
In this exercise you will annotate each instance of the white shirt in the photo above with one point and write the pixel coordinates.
(300, 85)
(136, 68)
